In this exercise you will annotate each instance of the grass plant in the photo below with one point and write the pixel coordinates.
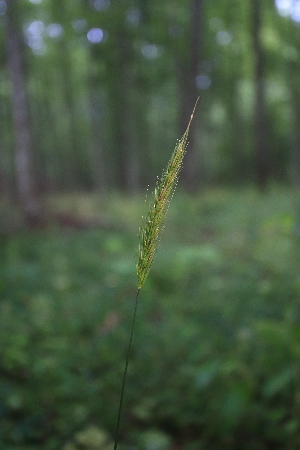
(149, 236)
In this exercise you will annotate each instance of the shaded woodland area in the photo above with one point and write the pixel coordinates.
(95, 93)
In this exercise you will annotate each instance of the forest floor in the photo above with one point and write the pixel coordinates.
(215, 361)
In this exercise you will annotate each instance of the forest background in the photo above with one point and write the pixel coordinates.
(93, 95)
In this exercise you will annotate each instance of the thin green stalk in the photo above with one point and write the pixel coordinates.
(125, 370)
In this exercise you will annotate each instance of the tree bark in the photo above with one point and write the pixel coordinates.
(127, 163)
(260, 125)
(20, 109)
(191, 171)
(293, 84)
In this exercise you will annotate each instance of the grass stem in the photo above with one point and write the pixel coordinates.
(150, 233)
(125, 371)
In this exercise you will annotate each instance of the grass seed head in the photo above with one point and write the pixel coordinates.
(153, 224)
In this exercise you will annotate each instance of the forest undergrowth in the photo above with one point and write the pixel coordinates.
(215, 359)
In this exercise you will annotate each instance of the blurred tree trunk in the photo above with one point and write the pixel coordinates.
(97, 156)
(293, 84)
(260, 125)
(71, 159)
(3, 180)
(188, 93)
(66, 72)
(6, 185)
(127, 163)
(96, 113)
(20, 107)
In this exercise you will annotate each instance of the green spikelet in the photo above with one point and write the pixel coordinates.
(153, 224)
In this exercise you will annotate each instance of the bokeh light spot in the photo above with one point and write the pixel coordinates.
(150, 51)
(95, 35)
(296, 12)
(284, 7)
(34, 36)
(223, 37)
(79, 25)
(101, 5)
(3, 8)
(54, 30)
(203, 82)
(289, 8)
(133, 16)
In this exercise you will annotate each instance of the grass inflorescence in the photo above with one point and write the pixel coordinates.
(149, 236)
(153, 225)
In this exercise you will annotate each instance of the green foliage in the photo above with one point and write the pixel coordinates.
(215, 362)
(102, 112)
